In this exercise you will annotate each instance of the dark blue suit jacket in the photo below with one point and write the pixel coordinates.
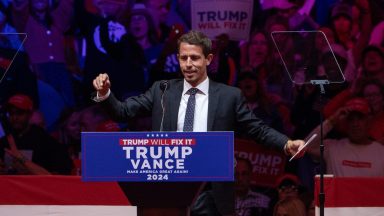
(227, 111)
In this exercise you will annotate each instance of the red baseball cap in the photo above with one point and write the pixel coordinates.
(21, 101)
(287, 179)
(359, 105)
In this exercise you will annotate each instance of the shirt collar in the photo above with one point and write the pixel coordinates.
(203, 87)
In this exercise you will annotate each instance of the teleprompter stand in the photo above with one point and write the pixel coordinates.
(308, 59)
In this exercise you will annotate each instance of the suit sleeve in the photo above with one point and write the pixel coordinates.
(255, 127)
(132, 106)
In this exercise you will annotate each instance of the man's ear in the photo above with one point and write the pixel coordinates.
(209, 58)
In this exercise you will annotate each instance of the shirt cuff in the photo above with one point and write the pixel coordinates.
(99, 98)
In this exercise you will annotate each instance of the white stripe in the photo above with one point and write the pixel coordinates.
(355, 211)
(67, 210)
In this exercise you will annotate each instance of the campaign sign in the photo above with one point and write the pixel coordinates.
(267, 163)
(216, 17)
(157, 156)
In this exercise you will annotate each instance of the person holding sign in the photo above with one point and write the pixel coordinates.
(196, 104)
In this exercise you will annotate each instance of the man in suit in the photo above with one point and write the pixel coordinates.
(217, 107)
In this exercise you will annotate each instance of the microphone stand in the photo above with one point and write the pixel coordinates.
(321, 84)
(163, 87)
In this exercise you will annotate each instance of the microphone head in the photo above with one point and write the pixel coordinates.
(164, 85)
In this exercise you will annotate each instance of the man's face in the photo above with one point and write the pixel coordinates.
(358, 125)
(193, 63)
(18, 118)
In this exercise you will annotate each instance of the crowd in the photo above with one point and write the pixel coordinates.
(45, 94)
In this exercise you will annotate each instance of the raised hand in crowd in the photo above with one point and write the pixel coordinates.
(22, 164)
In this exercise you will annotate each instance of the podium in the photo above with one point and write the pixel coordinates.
(347, 196)
(163, 198)
(160, 172)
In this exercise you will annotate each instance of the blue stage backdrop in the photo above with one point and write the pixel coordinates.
(157, 156)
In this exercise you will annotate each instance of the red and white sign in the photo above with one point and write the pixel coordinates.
(351, 196)
(216, 17)
(268, 164)
(61, 195)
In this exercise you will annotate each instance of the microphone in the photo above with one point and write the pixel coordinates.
(164, 85)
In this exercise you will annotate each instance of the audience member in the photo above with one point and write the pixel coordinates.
(373, 91)
(45, 29)
(297, 13)
(356, 154)
(159, 9)
(91, 117)
(37, 118)
(223, 67)
(290, 207)
(372, 64)
(321, 44)
(143, 29)
(31, 147)
(342, 23)
(277, 79)
(248, 202)
(9, 39)
(68, 132)
(377, 35)
(259, 101)
(167, 65)
(16, 76)
(288, 186)
(109, 48)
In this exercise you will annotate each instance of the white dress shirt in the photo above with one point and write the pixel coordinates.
(201, 108)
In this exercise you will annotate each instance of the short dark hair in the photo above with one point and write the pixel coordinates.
(196, 38)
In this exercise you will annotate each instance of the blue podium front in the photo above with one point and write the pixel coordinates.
(157, 156)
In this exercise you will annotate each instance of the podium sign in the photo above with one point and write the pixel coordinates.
(157, 156)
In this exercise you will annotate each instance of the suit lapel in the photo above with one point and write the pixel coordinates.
(174, 98)
(213, 102)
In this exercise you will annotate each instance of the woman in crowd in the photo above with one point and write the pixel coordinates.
(45, 29)
(142, 28)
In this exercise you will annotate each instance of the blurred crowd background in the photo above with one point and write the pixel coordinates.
(45, 94)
